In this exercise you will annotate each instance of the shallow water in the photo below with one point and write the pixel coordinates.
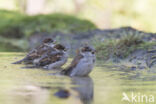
(107, 84)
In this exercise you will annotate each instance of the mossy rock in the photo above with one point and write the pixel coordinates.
(121, 48)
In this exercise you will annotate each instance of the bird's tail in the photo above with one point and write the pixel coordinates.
(31, 67)
(66, 71)
(20, 61)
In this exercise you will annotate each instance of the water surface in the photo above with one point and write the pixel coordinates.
(107, 84)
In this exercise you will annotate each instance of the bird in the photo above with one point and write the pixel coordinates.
(54, 58)
(83, 62)
(37, 52)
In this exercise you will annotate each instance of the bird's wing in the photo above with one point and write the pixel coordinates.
(33, 54)
(39, 51)
(49, 58)
(57, 57)
(73, 64)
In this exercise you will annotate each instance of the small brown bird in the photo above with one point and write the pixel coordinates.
(54, 58)
(37, 52)
(82, 64)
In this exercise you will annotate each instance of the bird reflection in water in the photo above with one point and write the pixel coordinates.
(85, 88)
(81, 93)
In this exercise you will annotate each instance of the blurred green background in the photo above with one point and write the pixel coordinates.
(104, 13)
(19, 19)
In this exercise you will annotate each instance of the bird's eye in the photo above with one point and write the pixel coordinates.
(93, 52)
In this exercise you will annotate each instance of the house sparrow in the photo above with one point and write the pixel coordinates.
(37, 52)
(54, 58)
(82, 64)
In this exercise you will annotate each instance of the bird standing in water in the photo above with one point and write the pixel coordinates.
(54, 58)
(37, 52)
(83, 63)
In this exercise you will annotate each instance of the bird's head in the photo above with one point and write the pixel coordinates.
(86, 49)
(60, 47)
(49, 42)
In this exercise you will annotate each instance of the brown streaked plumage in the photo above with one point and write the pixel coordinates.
(82, 64)
(53, 58)
(50, 58)
(48, 40)
(73, 64)
(37, 52)
(60, 47)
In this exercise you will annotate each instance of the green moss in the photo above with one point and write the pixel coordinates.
(146, 45)
(8, 23)
(103, 49)
(13, 44)
(9, 48)
(120, 48)
(16, 25)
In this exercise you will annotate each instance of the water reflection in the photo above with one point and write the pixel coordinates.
(85, 88)
(82, 91)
